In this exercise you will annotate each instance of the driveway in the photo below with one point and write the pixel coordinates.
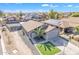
(29, 43)
(66, 47)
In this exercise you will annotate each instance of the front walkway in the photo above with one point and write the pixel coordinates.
(66, 47)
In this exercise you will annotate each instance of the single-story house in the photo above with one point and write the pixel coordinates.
(34, 16)
(69, 24)
(14, 26)
(10, 19)
(50, 31)
(29, 26)
(53, 22)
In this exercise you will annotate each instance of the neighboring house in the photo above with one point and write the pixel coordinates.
(70, 22)
(14, 26)
(10, 19)
(66, 14)
(25, 18)
(53, 22)
(34, 16)
(11, 23)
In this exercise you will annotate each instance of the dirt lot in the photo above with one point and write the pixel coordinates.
(15, 45)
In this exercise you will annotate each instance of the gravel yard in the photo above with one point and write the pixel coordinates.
(14, 44)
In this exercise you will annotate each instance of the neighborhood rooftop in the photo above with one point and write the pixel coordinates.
(13, 25)
(70, 22)
(53, 22)
(31, 25)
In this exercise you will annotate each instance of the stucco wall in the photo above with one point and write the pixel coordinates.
(49, 35)
(52, 34)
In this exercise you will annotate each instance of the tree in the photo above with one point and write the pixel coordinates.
(76, 14)
(52, 14)
(77, 29)
(39, 32)
(1, 13)
(19, 16)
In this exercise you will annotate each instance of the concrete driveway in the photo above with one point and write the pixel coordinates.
(66, 47)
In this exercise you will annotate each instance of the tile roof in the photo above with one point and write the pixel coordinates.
(53, 22)
(31, 25)
(49, 28)
(70, 22)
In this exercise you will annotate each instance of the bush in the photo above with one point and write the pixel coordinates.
(75, 15)
(47, 48)
(77, 28)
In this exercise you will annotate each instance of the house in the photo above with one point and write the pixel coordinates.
(51, 31)
(14, 26)
(69, 24)
(29, 26)
(53, 22)
(11, 23)
(10, 19)
(34, 16)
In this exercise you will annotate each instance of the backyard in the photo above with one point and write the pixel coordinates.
(47, 48)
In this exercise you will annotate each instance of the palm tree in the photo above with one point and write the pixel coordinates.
(39, 32)
(52, 14)
(19, 16)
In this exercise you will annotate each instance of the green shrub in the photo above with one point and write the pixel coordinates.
(77, 28)
(75, 15)
(47, 48)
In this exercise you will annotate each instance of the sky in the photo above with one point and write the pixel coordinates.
(44, 7)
